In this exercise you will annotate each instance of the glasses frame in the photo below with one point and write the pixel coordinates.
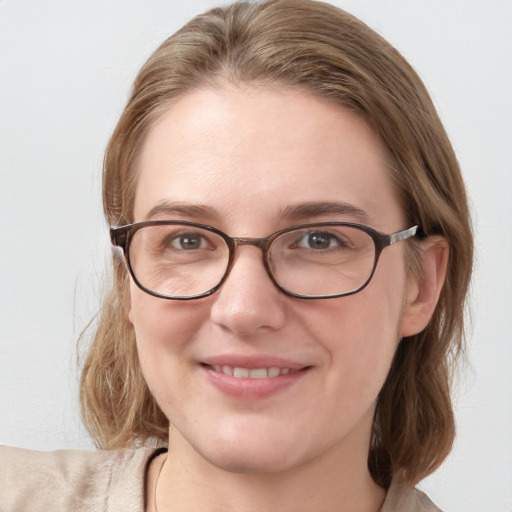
(121, 237)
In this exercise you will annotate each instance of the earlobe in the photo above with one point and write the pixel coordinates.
(128, 305)
(126, 299)
(423, 290)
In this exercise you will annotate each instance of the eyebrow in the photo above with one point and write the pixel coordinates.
(294, 213)
(318, 209)
(197, 211)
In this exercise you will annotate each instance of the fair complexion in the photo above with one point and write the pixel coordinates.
(256, 160)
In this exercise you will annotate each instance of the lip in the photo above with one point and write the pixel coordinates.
(253, 362)
(252, 388)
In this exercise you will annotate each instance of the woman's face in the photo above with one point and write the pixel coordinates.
(246, 161)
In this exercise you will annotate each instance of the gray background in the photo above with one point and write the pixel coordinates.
(65, 71)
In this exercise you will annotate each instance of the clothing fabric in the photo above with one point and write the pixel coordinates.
(110, 481)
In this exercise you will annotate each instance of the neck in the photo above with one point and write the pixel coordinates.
(336, 481)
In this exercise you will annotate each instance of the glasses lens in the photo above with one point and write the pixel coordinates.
(177, 260)
(322, 260)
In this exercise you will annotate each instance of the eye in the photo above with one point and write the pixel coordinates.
(188, 242)
(319, 240)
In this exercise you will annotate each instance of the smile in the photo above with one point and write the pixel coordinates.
(252, 373)
(255, 383)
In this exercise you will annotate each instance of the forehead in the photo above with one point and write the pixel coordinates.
(251, 151)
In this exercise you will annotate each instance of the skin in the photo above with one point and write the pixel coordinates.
(249, 154)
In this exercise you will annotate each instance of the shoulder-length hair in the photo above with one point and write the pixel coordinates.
(331, 54)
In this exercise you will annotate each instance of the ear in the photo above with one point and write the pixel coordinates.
(130, 315)
(128, 301)
(123, 283)
(424, 288)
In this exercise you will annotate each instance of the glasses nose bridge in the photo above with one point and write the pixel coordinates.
(261, 243)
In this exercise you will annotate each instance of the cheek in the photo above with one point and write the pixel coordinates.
(363, 343)
(163, 332)
(360, 334)
(160, 322)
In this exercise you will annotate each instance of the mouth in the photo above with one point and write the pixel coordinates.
(253, 373)
(252, 378)
(260, 378)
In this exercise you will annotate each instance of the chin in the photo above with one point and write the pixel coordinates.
(245, 461)
(249, 451)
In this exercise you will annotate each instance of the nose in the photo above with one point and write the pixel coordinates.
(248, 300)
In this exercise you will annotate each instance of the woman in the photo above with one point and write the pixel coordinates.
(297, 250)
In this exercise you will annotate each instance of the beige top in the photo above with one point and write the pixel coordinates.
(109, 481)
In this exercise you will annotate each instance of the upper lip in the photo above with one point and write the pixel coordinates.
(252, 362)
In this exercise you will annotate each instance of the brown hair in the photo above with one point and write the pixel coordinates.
(319, 48)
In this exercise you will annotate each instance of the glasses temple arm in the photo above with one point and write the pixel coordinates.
(404, 235)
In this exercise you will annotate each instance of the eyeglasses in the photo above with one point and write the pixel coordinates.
(183, 260)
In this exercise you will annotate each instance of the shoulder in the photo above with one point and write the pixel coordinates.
(404, 498)
(72, 480)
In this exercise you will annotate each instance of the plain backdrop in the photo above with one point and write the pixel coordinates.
(65, 72)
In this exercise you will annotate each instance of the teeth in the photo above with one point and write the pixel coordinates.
(253, 373)
(274, 372)
(227, 370)
(260, 373)
(240, 372)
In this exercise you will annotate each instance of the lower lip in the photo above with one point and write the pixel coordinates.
(252, 389)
